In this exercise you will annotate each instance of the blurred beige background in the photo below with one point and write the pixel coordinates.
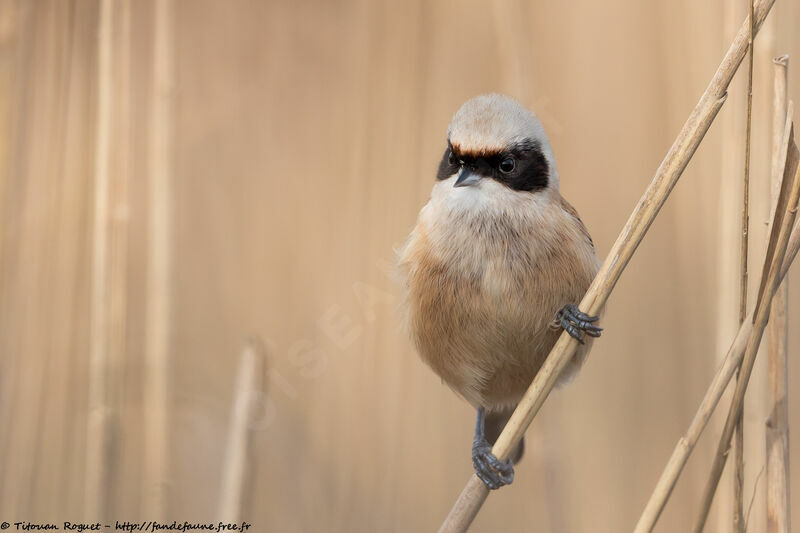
(179, 176)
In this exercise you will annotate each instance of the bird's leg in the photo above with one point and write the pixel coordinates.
(491, 470)
(576, 322)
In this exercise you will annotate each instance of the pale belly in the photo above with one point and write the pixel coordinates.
(486, 334)
(483, 286)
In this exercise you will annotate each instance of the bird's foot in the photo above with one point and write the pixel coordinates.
(576, 322)
(492, 471)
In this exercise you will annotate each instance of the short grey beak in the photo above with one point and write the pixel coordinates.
(466, 177)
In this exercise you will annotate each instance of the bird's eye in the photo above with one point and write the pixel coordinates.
(508, 165)
(451, 158)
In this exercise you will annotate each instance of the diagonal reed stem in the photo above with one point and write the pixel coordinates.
(474, 493)
(724, 374)
(781, 227)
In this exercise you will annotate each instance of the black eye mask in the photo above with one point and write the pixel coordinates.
(530, 169)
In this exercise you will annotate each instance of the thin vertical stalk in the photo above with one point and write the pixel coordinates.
(683, 449)
(248, 389)
(738, 475)
(159, 267)
(777, 430)
(97, 482)
(779, 238)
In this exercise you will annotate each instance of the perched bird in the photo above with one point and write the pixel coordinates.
(494, 268)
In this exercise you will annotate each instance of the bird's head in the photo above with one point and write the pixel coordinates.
(493, 137)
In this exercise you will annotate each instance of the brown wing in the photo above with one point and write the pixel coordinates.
(571, 210)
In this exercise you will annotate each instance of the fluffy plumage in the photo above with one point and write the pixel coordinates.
(488, 266)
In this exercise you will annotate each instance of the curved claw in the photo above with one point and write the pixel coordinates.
(576, 322)
(571, 329)
(492, 471)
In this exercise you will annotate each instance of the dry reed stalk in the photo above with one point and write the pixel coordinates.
(779, 238)
(724, 374)
(47, 447)
(157, 306)
(10, 83)
(738, 474)
(777, 425)
(8, 19)
(475, 492)
(118, 201)
(99, 424)
(249, 386)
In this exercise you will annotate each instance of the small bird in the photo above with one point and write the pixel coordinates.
(494, 268)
